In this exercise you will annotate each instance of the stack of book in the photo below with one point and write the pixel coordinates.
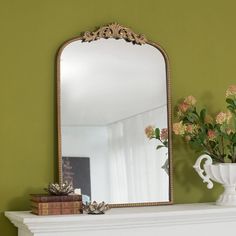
(43, 204)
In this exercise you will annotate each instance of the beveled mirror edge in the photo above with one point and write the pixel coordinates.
(134, 38)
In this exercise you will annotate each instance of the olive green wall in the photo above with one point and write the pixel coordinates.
(199, 37)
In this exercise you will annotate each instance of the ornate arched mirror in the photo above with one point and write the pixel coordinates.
(112, 84)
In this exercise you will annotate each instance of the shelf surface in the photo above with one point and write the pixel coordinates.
(120, 218)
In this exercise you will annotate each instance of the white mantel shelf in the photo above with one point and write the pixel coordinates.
(169, 220)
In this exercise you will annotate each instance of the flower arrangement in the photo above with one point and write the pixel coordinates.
(156, 133)
(213, 136)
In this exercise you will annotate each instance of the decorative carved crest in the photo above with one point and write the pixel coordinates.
(115, 31)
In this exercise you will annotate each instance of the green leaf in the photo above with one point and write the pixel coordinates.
(165, 143)
(185, 120)
(230, 101)
(192, 117)
(195, 144)
(226, 136)
(157, 133)
(159, 146)
(222, 128)
(231, 108)
(202, 115)
(217, 127)
(201, 134)
(234, 138)
(210, 126)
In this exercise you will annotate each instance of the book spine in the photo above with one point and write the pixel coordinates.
(64, 211)
(49, 198)
(56, 205)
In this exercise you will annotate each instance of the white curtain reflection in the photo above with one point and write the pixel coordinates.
(135, 171)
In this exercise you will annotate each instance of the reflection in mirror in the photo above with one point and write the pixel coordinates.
(110, 91)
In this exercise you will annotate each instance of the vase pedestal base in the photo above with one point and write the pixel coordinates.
(228, 197)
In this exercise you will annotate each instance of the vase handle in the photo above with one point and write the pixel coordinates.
(200, 171)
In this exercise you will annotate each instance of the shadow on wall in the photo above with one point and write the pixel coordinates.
(6, 227)
(194, 189)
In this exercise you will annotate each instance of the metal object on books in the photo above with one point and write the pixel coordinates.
(59, 189)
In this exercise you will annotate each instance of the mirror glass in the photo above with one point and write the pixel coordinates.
(110, 91)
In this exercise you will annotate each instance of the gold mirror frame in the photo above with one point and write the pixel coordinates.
(117, 31)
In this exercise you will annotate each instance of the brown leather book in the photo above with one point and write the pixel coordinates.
(56, 211)
(56, 205)
(53, 198)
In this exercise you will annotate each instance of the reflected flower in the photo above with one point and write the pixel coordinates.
(150, 131)
(164, 134)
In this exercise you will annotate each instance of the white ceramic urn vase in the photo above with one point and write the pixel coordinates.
(223, 173)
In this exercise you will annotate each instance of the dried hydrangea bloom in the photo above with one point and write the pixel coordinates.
(208, 119)
(190, 129)
(150, 131)
(187, 138)
(179, 128)
(164, 134)
(183, 107)
(190, 100)
(211, 134)
(223, 117)
(231, 91)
